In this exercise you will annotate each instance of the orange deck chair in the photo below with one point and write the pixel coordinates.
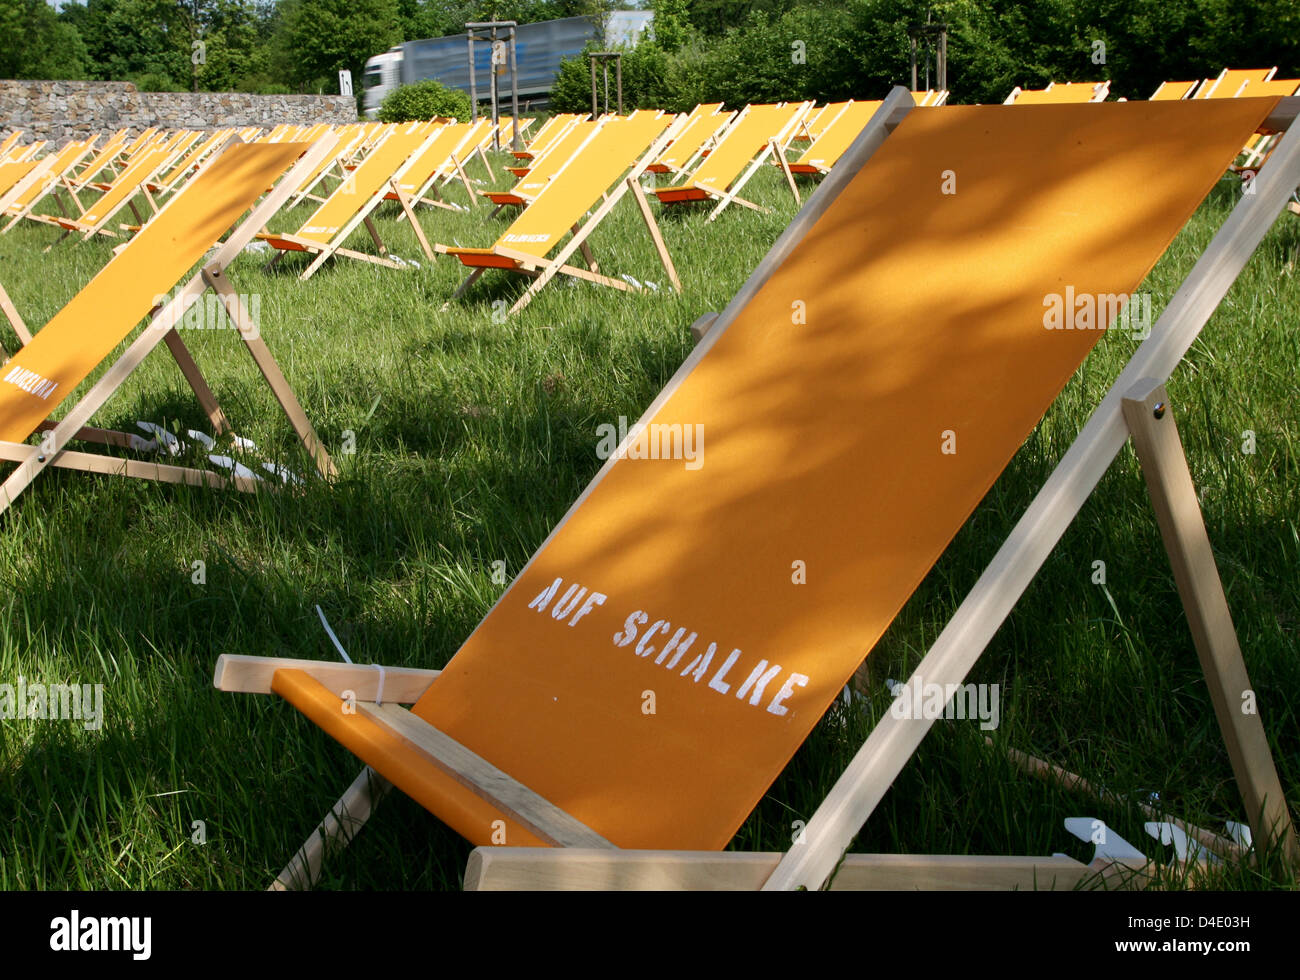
(758, 129)
(1230, 81)
(350, 140)
(1257, 150)
(1173, 91)
(930, 97)
(832, 140)
(103, 158)
(157, 263)
(10, 142)
(121, 193)
(323, 234)
(655, 584)
(544, 167)
(557, 151)
(104, 168)
(42, 181)
(705, 123)
(812, 124)
(15, 176)
(191, 160)
(439, 164)
(529, 245)
(1060, 94)
(551, 130)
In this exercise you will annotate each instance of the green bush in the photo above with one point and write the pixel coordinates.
(424, 100)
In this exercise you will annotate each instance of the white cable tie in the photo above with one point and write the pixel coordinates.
(334, 639)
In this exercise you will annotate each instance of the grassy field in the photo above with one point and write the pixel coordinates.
(472, 437)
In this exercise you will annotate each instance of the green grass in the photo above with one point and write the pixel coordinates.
(472, 438)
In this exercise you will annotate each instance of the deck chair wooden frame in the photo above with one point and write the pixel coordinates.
(543, 269)
(324, 251)
(1136, 407)
(53, 447)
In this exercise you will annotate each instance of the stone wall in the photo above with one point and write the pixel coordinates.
(61, 111)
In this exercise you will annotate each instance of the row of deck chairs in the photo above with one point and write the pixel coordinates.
(909, 326)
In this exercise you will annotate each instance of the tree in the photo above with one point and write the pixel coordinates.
(37, 44)
(318, 38)
(672, 23)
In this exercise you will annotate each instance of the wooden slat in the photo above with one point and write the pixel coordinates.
(68, 459)
(233, 304)
(341, 824)
(243, 674)
(1160, 451)
(534, 868)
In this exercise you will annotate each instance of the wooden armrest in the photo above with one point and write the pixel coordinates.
(252, 675)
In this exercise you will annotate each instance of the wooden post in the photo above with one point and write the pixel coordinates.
(515, 142)
(473, 86)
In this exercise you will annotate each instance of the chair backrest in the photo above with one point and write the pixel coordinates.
(547, 165)
(817, 120)
(437, 156)
(836, 137)
(551, 130)
(64, 160)
(674, 640)
(1230, 80)
(12, 173)
(1062, 93)
(1278, 86)
(610, 151)
(1172, 91)
(195, 155)
(930, 97)
(742, 141)
(102, 159)
(698, 130)
(102, 314)
(125, 186)
(363, 183)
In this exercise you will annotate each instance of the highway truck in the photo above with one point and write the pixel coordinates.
(539, 49)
